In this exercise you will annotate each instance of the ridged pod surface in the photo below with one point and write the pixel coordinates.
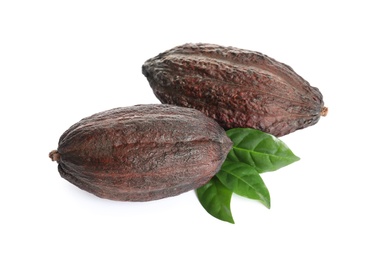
(236, 87)
(143, 152)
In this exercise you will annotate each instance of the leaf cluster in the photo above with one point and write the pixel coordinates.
(253, 152)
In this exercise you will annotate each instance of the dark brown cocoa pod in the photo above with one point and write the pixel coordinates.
(143, 152)
(237, 88)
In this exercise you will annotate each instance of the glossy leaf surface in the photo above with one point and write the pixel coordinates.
(244, 180)
(262, 151)
(253, 152)
(215, 199)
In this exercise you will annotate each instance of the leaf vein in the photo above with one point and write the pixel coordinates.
(256, 152)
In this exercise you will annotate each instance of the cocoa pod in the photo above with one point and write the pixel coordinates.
(236, 87)
(143, 152)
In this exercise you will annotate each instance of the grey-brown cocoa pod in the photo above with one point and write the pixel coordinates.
(236, 87)
(142, 153)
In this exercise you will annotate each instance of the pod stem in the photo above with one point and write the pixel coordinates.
(324, 111)
(54, 155)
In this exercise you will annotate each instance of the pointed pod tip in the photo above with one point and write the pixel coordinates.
(54, 156)
(324, 111)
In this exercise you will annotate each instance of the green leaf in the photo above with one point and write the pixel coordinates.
(215, 199)
(262, 151)
(244, 180)
(253, 152)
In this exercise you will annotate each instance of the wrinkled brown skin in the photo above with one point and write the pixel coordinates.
(142, 153)
(237, 88)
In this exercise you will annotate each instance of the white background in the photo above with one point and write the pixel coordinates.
(63, 60)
